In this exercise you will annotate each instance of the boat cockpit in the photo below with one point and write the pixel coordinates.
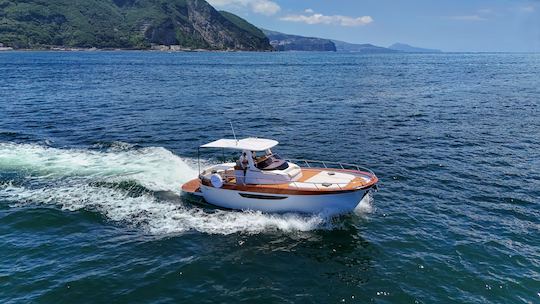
(269, 161)
(257, 164)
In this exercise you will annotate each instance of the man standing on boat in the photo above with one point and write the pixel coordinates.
(244, 164)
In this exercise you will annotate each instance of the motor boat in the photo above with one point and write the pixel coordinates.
(263, 181)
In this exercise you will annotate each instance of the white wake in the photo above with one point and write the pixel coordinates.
(76, 179)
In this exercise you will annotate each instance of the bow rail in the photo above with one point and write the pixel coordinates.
(229, 177)
(308, 163)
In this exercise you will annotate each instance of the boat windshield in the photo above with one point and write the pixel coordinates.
(271, 161)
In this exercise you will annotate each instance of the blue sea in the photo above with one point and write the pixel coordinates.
(94, 147)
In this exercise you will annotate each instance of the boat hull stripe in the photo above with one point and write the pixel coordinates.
(258, 196)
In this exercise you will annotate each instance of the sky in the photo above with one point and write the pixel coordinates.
(452, 26)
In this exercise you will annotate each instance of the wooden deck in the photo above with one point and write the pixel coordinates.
(192, 187)
(364, 181)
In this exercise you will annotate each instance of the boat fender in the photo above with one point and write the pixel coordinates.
(216, 180)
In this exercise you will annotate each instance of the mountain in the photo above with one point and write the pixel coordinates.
(342, 46)
(411, 49)
(286, 42)
(139, 24)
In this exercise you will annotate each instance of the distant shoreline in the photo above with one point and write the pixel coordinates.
(187, 50)
(156, 48)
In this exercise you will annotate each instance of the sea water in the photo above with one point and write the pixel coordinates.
(94, 147)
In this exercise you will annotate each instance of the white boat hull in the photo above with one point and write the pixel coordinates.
(334, 203)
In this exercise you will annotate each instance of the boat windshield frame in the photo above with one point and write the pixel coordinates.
(269, 159)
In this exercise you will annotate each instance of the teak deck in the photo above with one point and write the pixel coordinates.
(192, 186)
(357, 183)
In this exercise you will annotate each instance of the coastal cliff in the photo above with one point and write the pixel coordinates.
(402, 47)
(367, 48)
(125, 24)
(286, 42)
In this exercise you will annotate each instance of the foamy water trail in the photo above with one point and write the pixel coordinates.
(77, 179)
(154, 168)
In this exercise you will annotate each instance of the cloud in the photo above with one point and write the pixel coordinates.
(527, 9)
(309, 11)
(468, 18)
(486, 11)
(265, 7)
(314, 18)
(480, 15)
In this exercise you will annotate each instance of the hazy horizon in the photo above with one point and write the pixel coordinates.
(457, 26)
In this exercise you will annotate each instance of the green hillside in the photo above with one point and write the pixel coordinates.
(124, 24)
(243, 24)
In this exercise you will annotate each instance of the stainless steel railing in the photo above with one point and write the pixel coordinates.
(327, 165)
(228, 178)
(228, 175)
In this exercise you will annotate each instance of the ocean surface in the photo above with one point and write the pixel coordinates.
(94, 147)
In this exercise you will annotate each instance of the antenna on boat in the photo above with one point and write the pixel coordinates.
(234, 134)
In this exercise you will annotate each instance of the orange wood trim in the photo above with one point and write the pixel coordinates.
(355, 185)
(192, 186)
(307, 174)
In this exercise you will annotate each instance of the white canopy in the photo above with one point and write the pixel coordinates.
(251, 144)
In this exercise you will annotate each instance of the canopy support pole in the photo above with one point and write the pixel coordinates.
(234, 134)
